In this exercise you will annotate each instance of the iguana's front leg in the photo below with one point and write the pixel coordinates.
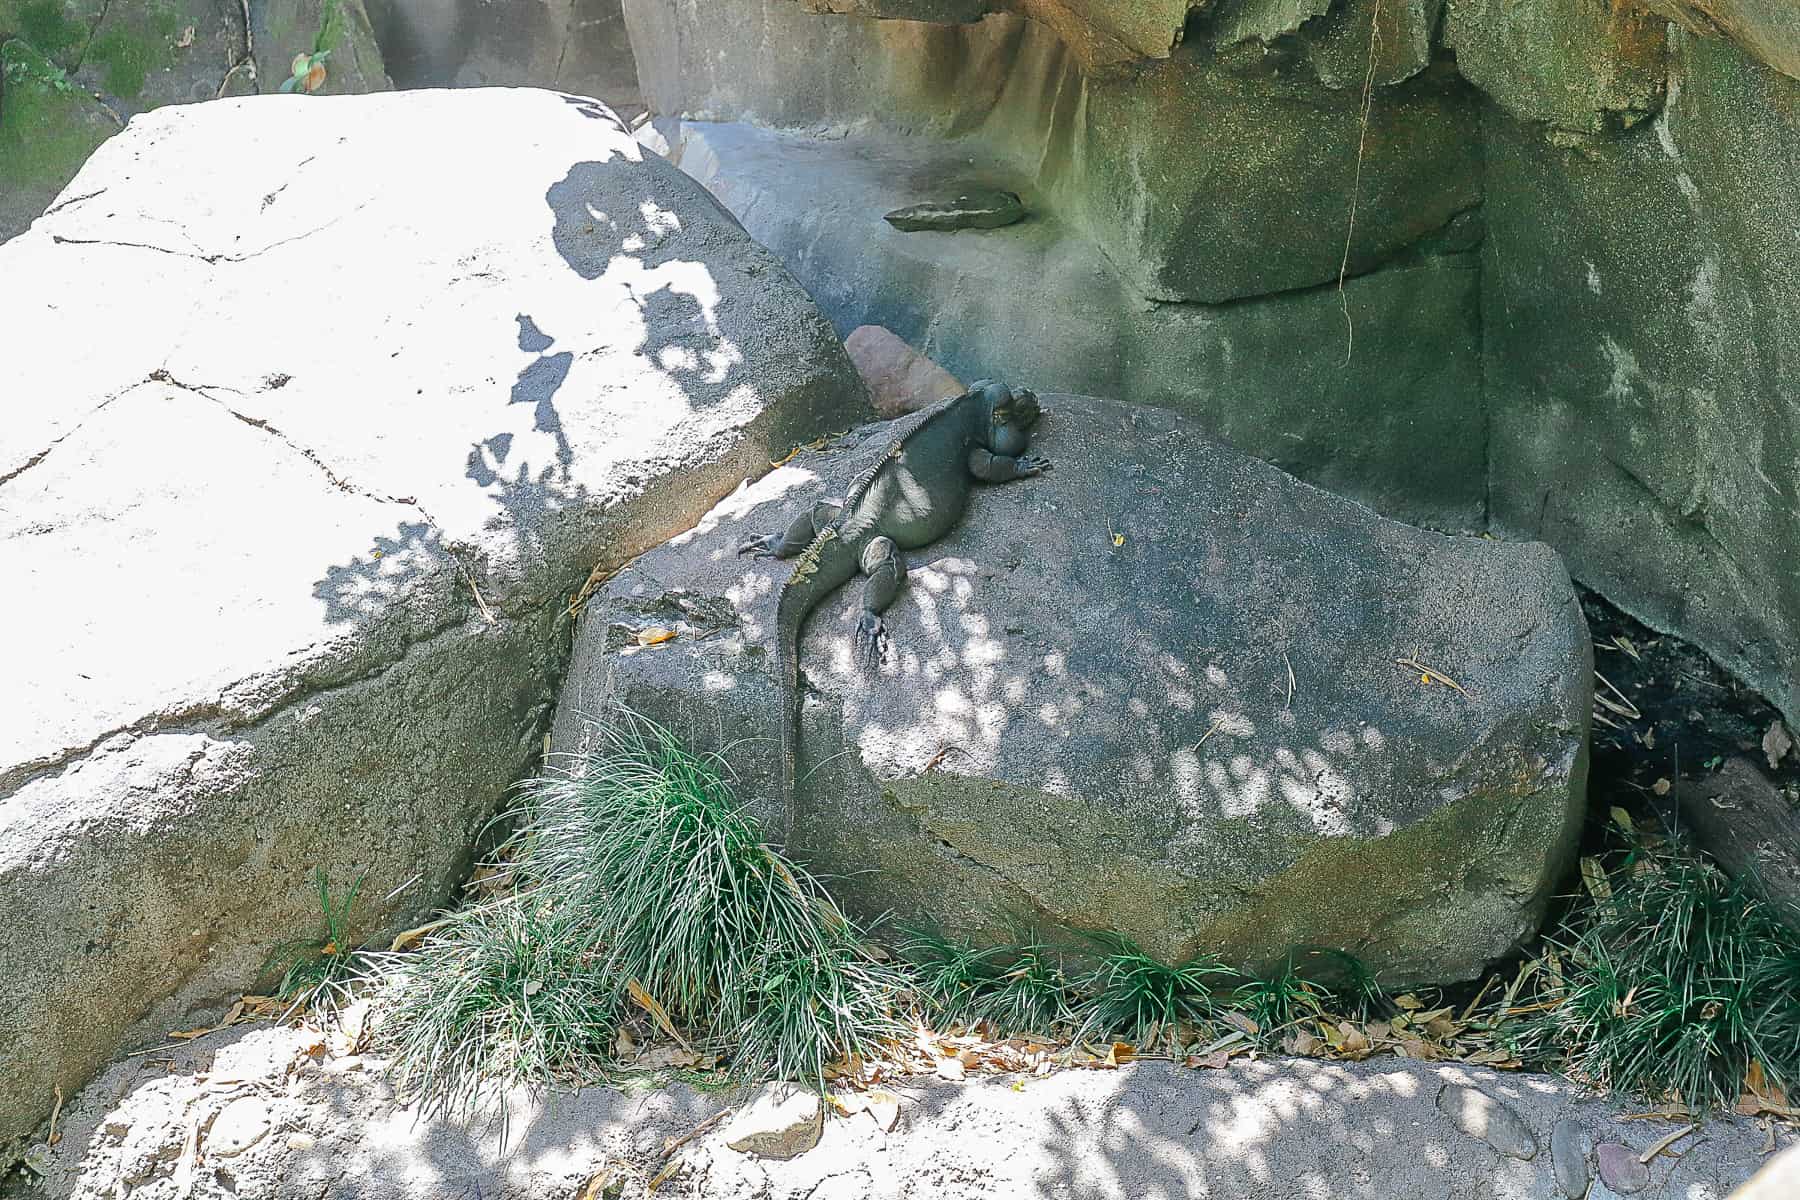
(989, 467)
(799, 534)
(882, 563)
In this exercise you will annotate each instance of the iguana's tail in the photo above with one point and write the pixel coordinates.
(821, 567)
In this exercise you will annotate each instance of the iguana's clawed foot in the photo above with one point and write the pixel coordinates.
(870, 643)
(1030, 465)
(762, 547)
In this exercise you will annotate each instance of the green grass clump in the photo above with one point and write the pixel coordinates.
(1145, 1000)
(318, 974)
(638, 885)
(506, 994)
(1671, 982)
(1281, 1003)
(1019, 987)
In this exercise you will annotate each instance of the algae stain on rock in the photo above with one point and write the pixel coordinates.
(131, 44)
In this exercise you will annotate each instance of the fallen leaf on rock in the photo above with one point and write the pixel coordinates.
(884, 1107)
(664, 1056)
(1409, 1002)
(186, 39)
(1218, 1060)
(656, 635)
(649, 1004)
(1776, 743)
(1303, 1044)
(1351, 1041)
(951, 1068)
(1243, 1024)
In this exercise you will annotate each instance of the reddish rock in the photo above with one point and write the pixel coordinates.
(900, 379)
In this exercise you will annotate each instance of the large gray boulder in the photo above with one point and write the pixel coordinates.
(1164, 690)
(1374, 392)
(305, 456)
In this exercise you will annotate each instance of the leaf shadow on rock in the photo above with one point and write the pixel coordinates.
(544, 508)
(1143, 736)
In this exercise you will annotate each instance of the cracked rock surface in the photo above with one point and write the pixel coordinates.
(1164, 690)
(305, 455)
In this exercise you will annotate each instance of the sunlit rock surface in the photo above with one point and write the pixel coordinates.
(1165, 690)
(317, 415)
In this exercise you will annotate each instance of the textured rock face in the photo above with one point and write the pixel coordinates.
(1204, 178)
(1373, 393)
(1571, 64)
(288, 560)
(1642, 318)
(1088, 717)
(1768, 29)
(579, 45)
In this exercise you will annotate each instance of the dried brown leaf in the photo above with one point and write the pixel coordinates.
(1776, 743)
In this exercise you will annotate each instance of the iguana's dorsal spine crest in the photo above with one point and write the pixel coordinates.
(808, 562)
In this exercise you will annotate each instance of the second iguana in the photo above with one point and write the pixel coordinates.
(909, 498)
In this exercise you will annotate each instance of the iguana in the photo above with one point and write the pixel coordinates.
(910, 497)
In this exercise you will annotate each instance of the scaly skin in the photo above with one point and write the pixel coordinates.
(910, 498)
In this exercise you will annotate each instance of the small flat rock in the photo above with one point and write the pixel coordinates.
(1493, 1121)
(1568, 1158)
(239, 1126)
(781, 1122)
(1620, 1169)
(982, 208)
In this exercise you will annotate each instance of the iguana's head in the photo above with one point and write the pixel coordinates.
(1014, 414)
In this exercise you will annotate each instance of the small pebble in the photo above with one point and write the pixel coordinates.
(1620, 1169)
(301, 1141)
(1568, 1158)
(1493, 1121)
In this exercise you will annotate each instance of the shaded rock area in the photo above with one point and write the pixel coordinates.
(1750, 826)
(289, 562)
(1205, 177)
(1641, 315)
(576, 45)
(1163, 690)
(1259, 1130)
(1342, 389)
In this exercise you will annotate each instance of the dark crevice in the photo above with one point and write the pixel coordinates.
(1405, 259)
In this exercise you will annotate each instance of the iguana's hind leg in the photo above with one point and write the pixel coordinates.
(882, 563)
(798, 535)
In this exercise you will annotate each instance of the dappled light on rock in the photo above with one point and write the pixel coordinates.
(1163, 690)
